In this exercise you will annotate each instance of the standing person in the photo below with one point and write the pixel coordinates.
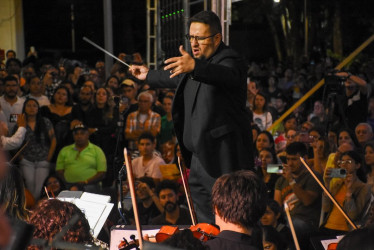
(35, 164)
(211, 122)
(261, 116)
(10, 103)
(59, 113)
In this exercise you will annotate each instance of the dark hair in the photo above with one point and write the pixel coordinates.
(319, 130)
(10, 78)
(50, 216)
(167, 184)
(369, 144)
(272, 152)
(69, 101)
(239, 198)
(207, 17)
(265, 108)
(148, 136)
(361, 173)
(13, 60)
(269, 136)
(361, 238)
(270, 234)
(52, 175)
(110, 77)
(10, 51)
(274, 206)
(40, 130)
(107, 110)
(296, 148)
(148, 180)
(351, 134)
(184, 239)
(12, 194)
(167, 97)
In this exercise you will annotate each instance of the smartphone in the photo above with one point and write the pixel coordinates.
(338, 173)
(274, 168)
(32, 49)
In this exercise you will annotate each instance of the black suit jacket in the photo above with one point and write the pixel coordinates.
(220, 124)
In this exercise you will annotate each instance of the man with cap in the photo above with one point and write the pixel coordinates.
(129, 91)
(81, 164)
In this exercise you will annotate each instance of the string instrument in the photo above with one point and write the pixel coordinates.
(125, 245)
(130, 179)
(201, 231)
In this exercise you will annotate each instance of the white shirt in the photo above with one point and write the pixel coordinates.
(152, 169)
(10, 143)
(42, 100)
(11, 110)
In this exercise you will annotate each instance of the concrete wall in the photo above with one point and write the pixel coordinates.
(11, 27)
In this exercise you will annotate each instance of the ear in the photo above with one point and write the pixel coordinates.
(217, 39)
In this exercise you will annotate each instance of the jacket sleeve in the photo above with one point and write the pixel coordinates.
(226, 73)
(356, 204)
(161, 79)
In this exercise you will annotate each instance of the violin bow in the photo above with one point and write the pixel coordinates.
(130, 178)
(188, 197)
(287, 209)
(327, 192)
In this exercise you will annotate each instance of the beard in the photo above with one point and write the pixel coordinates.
(170, 206)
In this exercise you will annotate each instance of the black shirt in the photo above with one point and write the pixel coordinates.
(233, 241)
(184, 218)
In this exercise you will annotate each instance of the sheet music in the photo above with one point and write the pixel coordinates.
(326, 243)
(98, 198)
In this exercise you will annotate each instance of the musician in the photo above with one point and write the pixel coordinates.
(239, 201)
(209, 114)
(167, 192)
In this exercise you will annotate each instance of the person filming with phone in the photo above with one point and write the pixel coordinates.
(349, 191)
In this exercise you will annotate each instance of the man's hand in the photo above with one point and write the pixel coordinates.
(139, 71)
(180, 65)
(21, 120)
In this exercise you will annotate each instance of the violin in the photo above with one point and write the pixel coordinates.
(201, 231)
(125, 245)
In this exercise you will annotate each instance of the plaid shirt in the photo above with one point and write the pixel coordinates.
(153, 122)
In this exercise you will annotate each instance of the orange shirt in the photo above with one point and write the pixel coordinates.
(336, 220)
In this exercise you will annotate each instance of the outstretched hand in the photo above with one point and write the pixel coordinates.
(139, 71)
(181, 64)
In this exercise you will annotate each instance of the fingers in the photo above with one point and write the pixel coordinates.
(182, 51)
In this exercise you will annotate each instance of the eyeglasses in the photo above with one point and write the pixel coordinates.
(340, 163)
(198, 39)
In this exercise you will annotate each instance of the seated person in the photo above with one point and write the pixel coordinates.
(350, 192)
(302, 193)
(272, 217)
(82, 164)
(173, 214)
(244, 193)
(149, 205)
(148, 164)
(50, 216)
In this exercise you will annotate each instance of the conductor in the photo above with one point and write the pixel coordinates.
(211, 122)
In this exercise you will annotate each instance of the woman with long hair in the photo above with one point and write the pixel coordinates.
(350, 192)
(12, 194)
(102, 128)
(261, 116)
(59, 113)
(369, 163)
(41, 144)
(267, 157)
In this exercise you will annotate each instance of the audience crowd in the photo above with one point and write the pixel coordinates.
(64, 125)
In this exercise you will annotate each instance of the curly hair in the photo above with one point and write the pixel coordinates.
(239, 198)
(50, 216)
